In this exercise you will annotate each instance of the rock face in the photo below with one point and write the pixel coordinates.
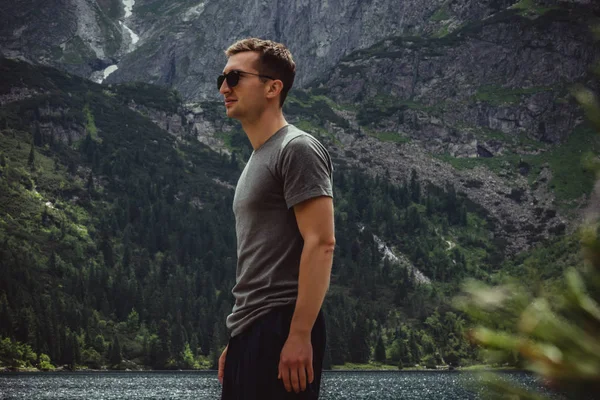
(507, 74)
(182, 42)
(171, 122)
(79, 36)
(520, 216)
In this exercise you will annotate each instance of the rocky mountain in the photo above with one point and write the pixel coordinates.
(180, 43)
(495, 92)
(80, 36)
(486, 107)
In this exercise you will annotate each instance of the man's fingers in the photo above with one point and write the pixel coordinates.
(287, 380)
(294, 377)
(302, 377)
(284, 373)
(221, 373)
(295, 364)
(311, 372)
(279, 371)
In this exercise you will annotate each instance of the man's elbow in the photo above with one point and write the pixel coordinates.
(327, 243)
(324, 243)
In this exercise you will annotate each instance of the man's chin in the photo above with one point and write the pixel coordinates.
(230, 111)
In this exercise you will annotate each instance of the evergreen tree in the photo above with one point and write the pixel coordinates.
(90, 183)
(67, 344)
(216, 347)
(414, 348)
(337, 339)
(415, 187)
(6, 327)
(178, 339)
(360, 351)
(194, 345)
(234, 160)
(162, 351)
(380, 350)
(37, 134)
(146, 350)
(115, 356)
(76, 350)
(31, 159)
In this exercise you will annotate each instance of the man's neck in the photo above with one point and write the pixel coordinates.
(261, 129)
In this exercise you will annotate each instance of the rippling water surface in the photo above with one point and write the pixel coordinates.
(336, 385)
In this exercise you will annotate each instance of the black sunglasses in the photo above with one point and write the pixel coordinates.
(233, 77)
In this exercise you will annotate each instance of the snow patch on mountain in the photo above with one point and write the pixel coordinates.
(128, 5)
(193, 12)
(400, 260)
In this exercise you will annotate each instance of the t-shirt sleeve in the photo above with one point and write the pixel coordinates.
(306, 170)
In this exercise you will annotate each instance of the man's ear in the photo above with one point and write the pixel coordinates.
(274, 88)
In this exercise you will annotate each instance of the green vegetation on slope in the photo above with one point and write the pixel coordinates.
(500, 96)
(570, 178)
(98, 231)
(441, 14)
(530, 7)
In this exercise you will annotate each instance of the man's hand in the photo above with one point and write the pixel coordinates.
(296, 362)
(222, 365)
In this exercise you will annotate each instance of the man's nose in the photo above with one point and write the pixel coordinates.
(224, 87)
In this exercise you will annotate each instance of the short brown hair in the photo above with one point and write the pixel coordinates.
(275, 60)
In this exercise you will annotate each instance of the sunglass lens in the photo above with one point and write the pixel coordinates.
(232, 77)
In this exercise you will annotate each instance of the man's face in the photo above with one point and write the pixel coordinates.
(246, 100)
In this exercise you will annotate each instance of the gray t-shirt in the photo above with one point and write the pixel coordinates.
(290, 167)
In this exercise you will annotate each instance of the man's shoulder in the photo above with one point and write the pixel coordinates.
(297, 137)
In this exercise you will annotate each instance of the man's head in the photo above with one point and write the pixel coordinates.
(263, 71)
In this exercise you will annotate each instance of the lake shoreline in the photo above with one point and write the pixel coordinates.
(478, 368)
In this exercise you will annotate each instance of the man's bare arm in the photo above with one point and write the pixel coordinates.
(315, 220)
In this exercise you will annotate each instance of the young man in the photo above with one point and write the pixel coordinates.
(283, 208)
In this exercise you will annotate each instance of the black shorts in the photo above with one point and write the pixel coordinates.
(252, 360)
